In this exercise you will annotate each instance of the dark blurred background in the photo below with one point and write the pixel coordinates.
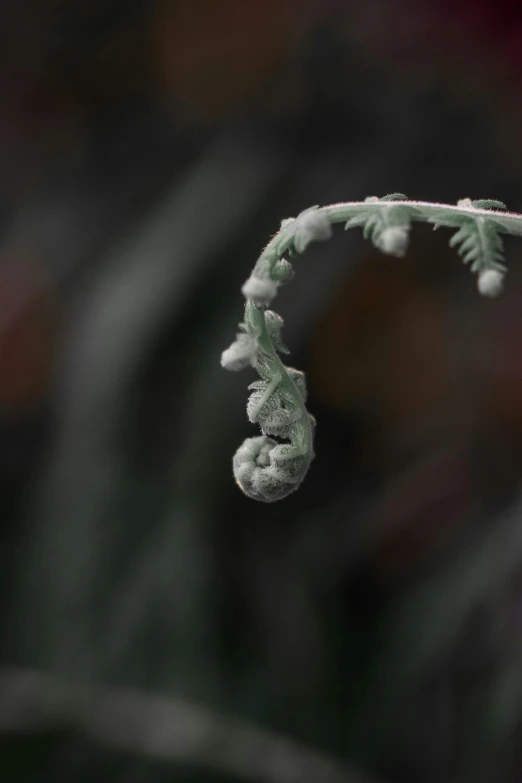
(157, 625)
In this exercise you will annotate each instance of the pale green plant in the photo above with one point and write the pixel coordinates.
(264, 468)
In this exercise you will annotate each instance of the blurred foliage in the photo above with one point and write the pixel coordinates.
(148, 151)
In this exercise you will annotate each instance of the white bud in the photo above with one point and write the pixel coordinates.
(286, 222)
(242, 353)
(490, 282)
(311, 226)
(394, 241)
(260, 290)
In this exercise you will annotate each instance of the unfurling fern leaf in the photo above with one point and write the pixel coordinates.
(265, 469)
(478, 237)
(481, 244)
(387, 225)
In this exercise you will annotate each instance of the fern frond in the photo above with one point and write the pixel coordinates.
(265, 469)
(480, 244)
(386, 224)
(477, 240)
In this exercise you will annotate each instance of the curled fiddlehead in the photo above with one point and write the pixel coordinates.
(264, 468)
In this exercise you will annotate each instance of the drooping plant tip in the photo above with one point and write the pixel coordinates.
(265, 468)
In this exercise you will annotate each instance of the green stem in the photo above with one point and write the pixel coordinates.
(421, 211)
(510, 222)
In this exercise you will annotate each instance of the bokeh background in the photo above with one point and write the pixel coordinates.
(156, 625)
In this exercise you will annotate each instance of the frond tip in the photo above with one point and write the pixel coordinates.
(267, 470)
(490, 283)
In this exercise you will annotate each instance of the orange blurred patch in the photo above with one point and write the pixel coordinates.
(382, 347)
(27, 319)
(420, 510)
(213, 56)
